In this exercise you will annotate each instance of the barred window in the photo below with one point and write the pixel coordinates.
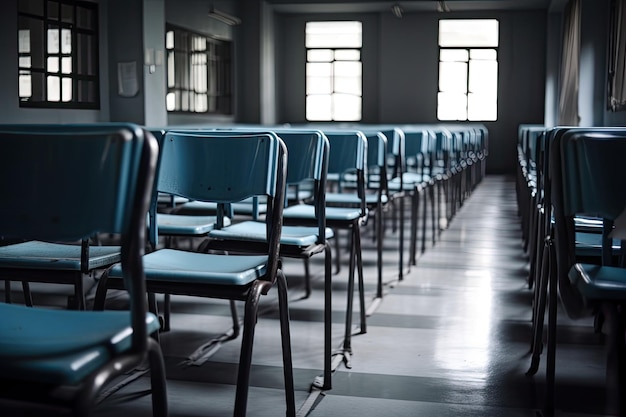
(199, 77)
(58, 54)
(468, 69)
(333, 71)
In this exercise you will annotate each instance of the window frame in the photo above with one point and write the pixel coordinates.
(84, 56)
(468, 49)
(332, 62)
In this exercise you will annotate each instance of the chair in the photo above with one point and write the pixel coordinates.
(307, 162)
(586, 176)
(64, 358)
(223, 168)
(348, 153)
(419, 181)
(588, 232)
(57, 262)
(173, 225)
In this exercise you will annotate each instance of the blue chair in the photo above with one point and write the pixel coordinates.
(224, 168)
(65, 358)
(347, 157)
(588, 234)
(307, 162)
(57, 262)
(587, 178)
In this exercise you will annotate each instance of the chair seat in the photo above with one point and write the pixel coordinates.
(61, 346)
(414, 177)
(353, 199)
(45, 255)
(171, 265)
(302, 211)
(599, 282)
(243, 207)
(178, 224)
(255, 231)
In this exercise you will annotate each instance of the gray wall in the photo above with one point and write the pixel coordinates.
(400, 67)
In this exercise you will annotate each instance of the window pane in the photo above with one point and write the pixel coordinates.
(171, 70)
(344, 68)
(66, 41)
(169, 39)
(66, 65)
(482, 107)
(488, 54)
(53, 65)
(348, 55)
(170, 101)
(453, 77)
(54, 88)
(31, 6)
(319, 55)
(333, 34)
(319, 85)
(25, 89)
(483, 76)
(67, 89)
(451, 106)
(53, 41)
(319, 69)
(468, 32)
(318, 107)
(24, 62)
(348, 85)
(346, 108)
(85, 18)
(67, 13)
(23, 41)
(460, 55)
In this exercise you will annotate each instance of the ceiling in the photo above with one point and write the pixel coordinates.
(352, 6)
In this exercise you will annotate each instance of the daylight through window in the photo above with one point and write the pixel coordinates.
(468, 70)
(58, 54)
(333, 71)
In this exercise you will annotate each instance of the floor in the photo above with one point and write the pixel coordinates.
(451, 339)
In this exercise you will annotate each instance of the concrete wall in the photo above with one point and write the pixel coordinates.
(400, 67)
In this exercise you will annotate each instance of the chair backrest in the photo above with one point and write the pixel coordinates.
(348, 155)
(225, 168)
(307, 159)
(68, 182)
(377, 162)
(586, 178)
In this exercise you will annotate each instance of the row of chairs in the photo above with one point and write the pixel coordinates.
(121, 174)
(571, 202)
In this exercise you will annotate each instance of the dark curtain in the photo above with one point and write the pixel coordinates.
(617, 57)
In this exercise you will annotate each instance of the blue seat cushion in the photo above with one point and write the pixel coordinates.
(179, 224)
(58, 256)
(353, 199)
(255, 231)
(303, 211)
(61, 346)
(177, 266)
(597, 282)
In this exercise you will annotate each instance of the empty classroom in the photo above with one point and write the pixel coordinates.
(313, 208)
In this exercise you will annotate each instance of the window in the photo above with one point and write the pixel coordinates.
(333, 71)
(199, 78)
(468, 70)
(58, 54)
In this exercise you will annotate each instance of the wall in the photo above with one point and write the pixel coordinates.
(400, 67)
(125, 28)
